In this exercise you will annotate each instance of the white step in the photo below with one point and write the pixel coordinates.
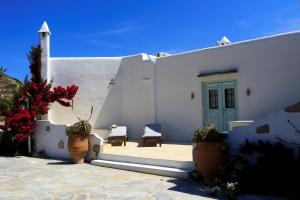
(149, 169)
(148, 161)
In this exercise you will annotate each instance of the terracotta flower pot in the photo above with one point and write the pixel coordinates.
(78, 148)
(209, 157)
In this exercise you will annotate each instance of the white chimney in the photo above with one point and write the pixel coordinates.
(224, 41)
(45, 46)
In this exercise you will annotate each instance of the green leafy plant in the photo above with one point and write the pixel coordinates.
(275, 170)
(208, 134)
(8, 145)
(34, 57)
(82, 128)
(231, 177)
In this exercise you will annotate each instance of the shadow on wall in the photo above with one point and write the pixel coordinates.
(129, 102)
(110, 107)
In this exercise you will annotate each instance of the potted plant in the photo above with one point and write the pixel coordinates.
(209, 151)
(78, 135)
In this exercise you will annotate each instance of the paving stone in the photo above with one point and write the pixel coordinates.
(81, 197)
(34, 178)
(162, 196)
(97, 196)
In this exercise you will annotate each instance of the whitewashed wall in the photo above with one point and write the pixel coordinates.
(146, 92)
(279, 127)
(137, 95)
(270, 67)
(47, 138)
(92, 75)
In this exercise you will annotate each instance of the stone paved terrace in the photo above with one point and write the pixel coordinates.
(33, 178)
(168, 151)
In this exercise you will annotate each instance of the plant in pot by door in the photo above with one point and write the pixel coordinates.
(78, 135)
(209, 152)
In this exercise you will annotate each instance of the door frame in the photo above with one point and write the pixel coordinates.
(206, 81)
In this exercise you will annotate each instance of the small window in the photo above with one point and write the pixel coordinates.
(229, 98)
(213, 99)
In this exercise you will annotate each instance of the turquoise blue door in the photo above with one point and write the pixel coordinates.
(220, 103)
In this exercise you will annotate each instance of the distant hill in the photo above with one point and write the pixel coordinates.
(8, 85)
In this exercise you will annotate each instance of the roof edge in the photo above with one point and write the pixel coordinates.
(235, 43)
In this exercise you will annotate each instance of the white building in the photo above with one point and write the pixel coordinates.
(247, 80)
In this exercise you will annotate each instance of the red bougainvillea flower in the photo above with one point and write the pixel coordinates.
(20, 123)
(21, 120)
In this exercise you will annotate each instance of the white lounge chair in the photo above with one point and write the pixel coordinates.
(118, 133)
(152, 132)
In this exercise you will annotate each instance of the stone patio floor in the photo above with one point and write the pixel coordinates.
(168, 151)
(34, 178)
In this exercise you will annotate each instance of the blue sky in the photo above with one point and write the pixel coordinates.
(125, 27)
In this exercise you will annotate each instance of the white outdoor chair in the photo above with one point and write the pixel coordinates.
(152, 132)
(118, 133)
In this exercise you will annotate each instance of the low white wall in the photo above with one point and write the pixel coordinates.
(278, 127)
(51, 140)
(47, 139)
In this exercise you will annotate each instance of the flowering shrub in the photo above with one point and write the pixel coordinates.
(231, 176)
(20, 118)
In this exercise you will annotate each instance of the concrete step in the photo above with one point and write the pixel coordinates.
(149, 169)
(147, 161)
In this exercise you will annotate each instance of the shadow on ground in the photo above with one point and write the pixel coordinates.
(65, 162)
(147, 144)
(188, 187)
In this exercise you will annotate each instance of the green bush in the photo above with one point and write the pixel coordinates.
(8, 144)
(274, 172)
(208, 134)
(82, 128)
(232, 176)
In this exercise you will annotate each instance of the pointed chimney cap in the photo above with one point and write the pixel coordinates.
(44, 28)
(224, 41)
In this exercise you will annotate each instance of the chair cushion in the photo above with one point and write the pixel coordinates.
(119, 131)
(152, 130)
